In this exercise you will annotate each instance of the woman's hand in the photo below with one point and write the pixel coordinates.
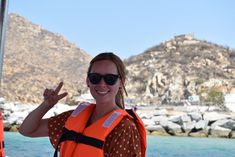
(33, 125)
(51, 96)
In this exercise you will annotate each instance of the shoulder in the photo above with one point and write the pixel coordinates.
(126, 129)
(127, 123)
(124, 139)
(126, 126)
(60, 117)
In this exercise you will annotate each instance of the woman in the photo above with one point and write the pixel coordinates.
(100, 129)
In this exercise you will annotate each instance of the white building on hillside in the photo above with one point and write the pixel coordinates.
(229, 101)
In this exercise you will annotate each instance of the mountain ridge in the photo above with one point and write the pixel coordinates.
(35, 59)
(179, 68)
(169, 72)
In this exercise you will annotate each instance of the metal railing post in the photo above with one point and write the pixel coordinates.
(3, 20)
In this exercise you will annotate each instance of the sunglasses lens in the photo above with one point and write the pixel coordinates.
(110, 79)
(94, 78)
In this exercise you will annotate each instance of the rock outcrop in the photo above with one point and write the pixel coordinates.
(181, 67)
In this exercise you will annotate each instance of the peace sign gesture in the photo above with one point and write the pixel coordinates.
(51, 96)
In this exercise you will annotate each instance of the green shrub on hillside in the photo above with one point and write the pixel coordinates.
(212, 96)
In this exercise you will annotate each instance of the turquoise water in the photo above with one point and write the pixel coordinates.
(190, 147)
(20, 146)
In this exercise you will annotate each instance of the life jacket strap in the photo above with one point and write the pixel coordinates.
(70, 135)
(131, 112)
(80, 138)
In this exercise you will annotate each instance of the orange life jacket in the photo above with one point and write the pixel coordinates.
(78, 140)
(1, 136)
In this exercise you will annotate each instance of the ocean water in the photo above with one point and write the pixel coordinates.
(17, 145)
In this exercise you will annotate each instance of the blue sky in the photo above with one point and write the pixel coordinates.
(129, 27)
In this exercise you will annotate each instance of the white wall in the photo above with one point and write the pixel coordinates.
(229, 101)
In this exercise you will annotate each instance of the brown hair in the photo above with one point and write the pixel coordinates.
(119, 99)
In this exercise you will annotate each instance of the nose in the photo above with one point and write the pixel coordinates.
(102, 82)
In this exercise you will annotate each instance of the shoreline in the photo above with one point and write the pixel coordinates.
(189, 121)
(186, 121)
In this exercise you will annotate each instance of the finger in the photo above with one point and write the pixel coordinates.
(61, 96)
(49, 93)
(45, 93)
(58, 87)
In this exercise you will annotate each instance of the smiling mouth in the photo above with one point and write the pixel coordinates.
(102, 92)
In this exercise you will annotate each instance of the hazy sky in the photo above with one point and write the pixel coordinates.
(129, 27)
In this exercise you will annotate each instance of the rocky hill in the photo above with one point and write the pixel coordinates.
(166, 73)
(35, 58)
(178, 68)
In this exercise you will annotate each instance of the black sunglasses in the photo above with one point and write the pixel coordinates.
(109, 79)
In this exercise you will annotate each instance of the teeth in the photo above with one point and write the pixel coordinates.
(102, 92)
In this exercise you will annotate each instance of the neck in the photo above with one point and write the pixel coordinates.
(101, 110)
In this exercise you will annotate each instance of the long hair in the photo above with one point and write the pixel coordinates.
(119, 99)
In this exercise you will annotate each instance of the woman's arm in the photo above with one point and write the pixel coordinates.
(34, 125)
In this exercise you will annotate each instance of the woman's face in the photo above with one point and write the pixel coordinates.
(102, 92)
